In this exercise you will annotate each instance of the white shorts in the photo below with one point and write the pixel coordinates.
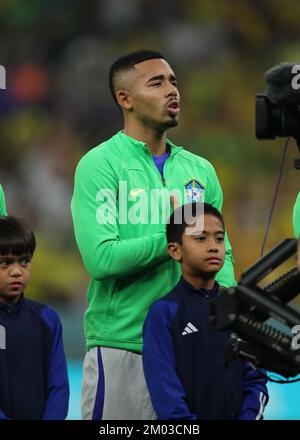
(114, 387)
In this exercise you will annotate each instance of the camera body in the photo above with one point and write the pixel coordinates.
(278, 108)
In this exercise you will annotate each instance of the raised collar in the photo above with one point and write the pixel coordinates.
(174, 149)
(202, 292)
(13, 309)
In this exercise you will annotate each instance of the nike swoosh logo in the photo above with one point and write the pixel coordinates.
(135, 192)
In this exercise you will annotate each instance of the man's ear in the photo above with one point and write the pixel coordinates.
(124, 99)
(174, 250)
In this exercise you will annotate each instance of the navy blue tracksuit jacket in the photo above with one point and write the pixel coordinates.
(183, 362)
(33, 372)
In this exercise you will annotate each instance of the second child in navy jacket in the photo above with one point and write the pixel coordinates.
(183, 357)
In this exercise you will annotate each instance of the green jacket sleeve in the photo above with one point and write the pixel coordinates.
(104, 254)
(2, 202)
(214, 196)
(296, 217)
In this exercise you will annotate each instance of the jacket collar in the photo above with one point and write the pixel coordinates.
(204, 293)
(13, 308)
(174, 149)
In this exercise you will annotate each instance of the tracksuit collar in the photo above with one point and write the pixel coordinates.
(12, 309)
(204, 293)
(174, 149)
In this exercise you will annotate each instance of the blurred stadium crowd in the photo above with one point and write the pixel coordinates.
(57, 105)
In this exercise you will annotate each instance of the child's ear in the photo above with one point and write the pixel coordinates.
(174, 250)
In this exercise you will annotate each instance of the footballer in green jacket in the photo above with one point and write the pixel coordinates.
(122, 192)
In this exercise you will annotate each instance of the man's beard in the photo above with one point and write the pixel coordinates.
(159, 125)
(171, 123)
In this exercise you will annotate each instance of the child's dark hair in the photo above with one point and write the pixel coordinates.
(175, 229)
(16, 238)
(126, 62)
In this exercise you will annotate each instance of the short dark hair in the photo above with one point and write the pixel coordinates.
(16, 237)
(126, 62)
(175, 229)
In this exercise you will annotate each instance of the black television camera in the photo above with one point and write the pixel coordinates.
(278, 109)
(246, 308)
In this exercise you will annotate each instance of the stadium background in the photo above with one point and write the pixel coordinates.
(57, 106)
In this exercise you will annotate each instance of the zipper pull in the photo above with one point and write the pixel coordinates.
(163, 181)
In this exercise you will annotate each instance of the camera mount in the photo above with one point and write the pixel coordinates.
(246, 308)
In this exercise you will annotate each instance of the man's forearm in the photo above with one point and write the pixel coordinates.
(124, 257)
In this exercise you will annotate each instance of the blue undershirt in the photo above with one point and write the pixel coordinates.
(160, 160)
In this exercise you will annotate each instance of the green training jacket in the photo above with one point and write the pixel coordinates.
(296, 217)
(2, 202)
(128, 262)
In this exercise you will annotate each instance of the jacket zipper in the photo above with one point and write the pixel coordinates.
(162, 177)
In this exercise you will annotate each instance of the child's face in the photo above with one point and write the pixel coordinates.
(14, 276)
(203, 252)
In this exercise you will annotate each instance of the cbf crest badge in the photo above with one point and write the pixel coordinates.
(194, 191)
